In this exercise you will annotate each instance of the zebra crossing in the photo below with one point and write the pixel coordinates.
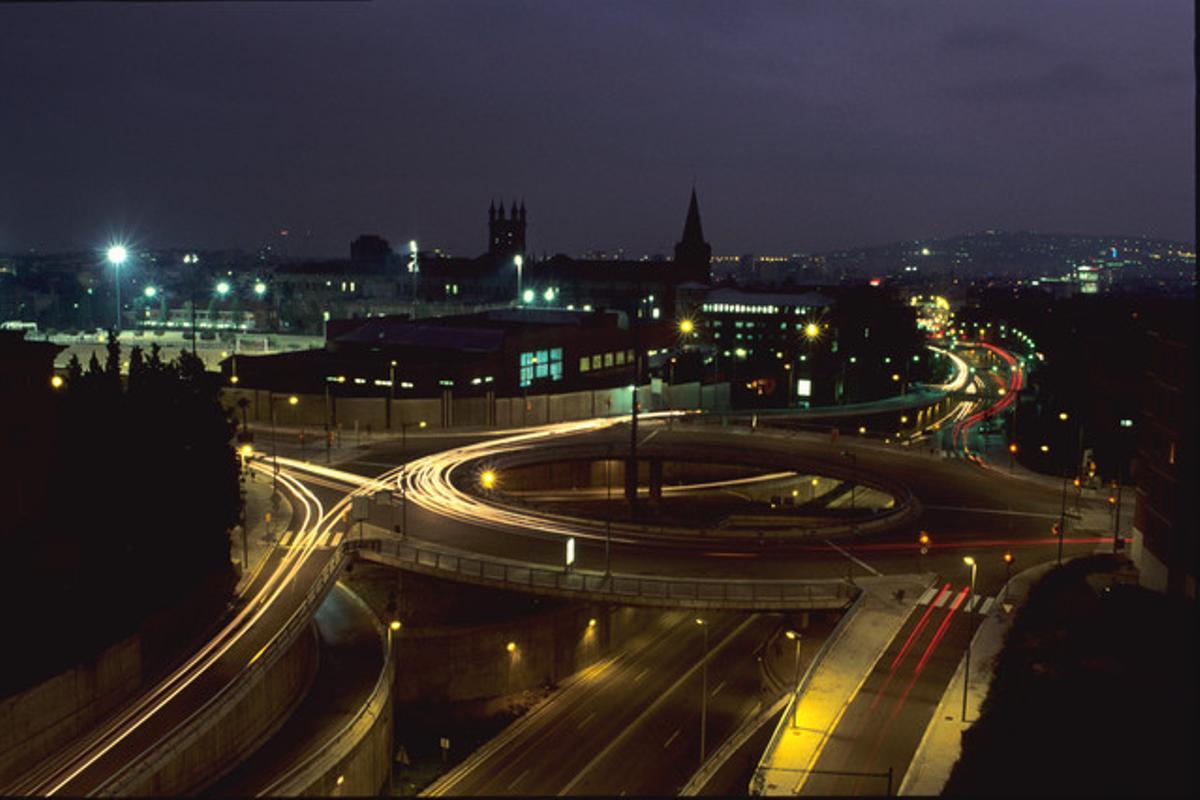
(975, 604)
(327, 539)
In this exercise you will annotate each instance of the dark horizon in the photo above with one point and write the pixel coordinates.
(804, 128)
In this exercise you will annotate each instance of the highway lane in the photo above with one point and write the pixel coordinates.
(661, 755)
(638, 701)
(883, 724)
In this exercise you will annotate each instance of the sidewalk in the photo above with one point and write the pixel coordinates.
(942, 743)
(261, 535)
(835, 679)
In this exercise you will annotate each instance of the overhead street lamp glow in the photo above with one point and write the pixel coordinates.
(117, 255)
(56, 381)
(686, 326)
(812, 330)
(527, 295)
(223, 288)
(150, 291)
(260, 288)
(488, 479)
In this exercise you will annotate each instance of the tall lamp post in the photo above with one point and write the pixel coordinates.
(117, 255)
(970, 562)
(703, 623)
(292, 400)
(853, 473)
(191, 260)
(795, 637)
(519, 262)
(414, 269)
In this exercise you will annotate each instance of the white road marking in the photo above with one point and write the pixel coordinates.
(586, 720)
(991, 511)
(927, 596)
(670, 739)
(971, 603)
(987, 604)
(517, 779)
(337, 539)
(942, 600)
(720, 686)
(862, 564)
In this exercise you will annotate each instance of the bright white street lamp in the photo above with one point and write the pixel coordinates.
(117, 254)
(150, 291)
(260, 288)
(223, 288)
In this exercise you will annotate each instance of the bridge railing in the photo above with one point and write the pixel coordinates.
(187, 732)
(612, 587)
(305, 776)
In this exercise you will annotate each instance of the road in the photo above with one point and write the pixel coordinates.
(631, 725)
(268, 602)
(883, 724)
(965, 509)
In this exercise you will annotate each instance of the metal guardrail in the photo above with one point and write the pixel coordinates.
(189, 730)
(298, 779)
(615, 587)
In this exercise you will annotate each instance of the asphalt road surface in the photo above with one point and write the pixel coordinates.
(885, 721)
(633, 726)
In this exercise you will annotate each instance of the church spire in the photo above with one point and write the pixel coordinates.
(692, 253)
(693, 232)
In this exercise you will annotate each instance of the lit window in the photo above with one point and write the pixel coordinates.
(609, 359)
(585, 364)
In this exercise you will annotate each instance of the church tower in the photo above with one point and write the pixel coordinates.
(506, 236)
(692, 253)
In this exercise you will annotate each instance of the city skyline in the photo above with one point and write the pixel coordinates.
(803, 129)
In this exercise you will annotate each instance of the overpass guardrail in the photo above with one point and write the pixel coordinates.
(619, 588)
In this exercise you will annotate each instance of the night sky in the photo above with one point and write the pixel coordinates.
(805, 126)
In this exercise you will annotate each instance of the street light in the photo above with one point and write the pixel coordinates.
(970, 562)
(686, 326)
(260, 288)
(56, 381)
(812, 331)
(923, 540)
(488, 479)
(795, 637)
(149, 292)
(117, 254)
(703, 686)
(519, 261)
(191, 259)
(1008, 560)
(223, 288)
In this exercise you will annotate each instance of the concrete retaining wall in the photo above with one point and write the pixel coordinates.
(248, 724)
(38, 722)
(471, 663)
